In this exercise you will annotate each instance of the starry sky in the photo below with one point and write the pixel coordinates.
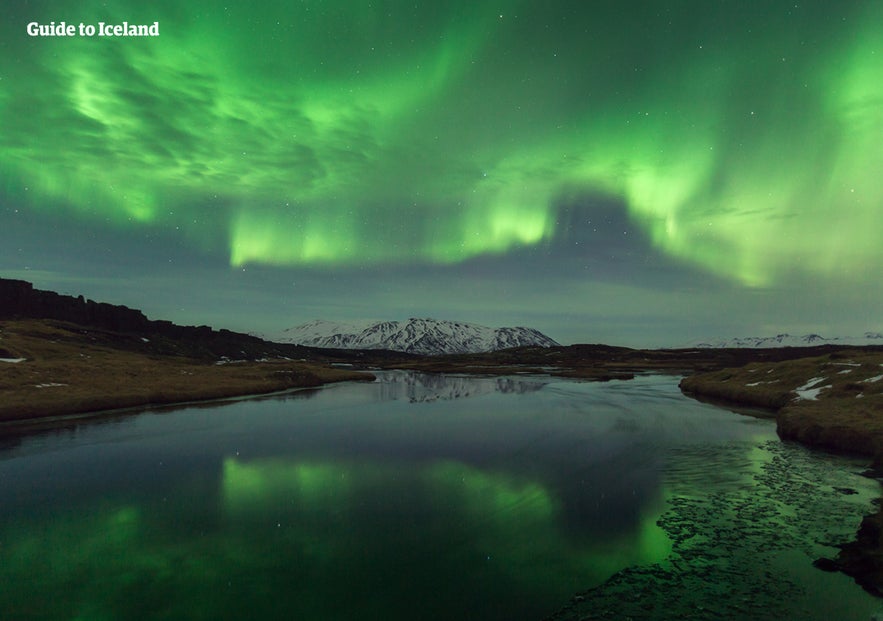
(641, 173)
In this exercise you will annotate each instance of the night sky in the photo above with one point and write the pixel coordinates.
(636, 173)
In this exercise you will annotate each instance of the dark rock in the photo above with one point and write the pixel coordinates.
(862, 559)
(19, 300)
(845, 490)
(826, 564)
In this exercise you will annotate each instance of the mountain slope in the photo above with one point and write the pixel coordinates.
(416, 336)
(789, 340)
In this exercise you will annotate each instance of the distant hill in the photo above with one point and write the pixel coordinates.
(789, 340)
(416, 336)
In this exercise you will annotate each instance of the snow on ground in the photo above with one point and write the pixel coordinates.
(13, 360)
(49, 385)
(871, 380)
(809, 390)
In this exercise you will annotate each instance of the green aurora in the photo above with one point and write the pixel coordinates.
(742, 140)
(641, 172)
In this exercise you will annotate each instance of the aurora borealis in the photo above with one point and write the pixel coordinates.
(640, 173)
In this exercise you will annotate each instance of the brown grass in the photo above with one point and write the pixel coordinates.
(846, 415)
(65, 373)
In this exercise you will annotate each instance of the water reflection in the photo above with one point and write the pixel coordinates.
(471, 513)
(424, 387)
(14, 433)
(395, 499)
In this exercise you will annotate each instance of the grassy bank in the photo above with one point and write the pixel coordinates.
(66, 370)
(833, 402)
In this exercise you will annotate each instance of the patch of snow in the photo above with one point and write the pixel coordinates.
(812, 382)
(844, 371)
(48, 385)
(871, 380)
(754, 384)
(811, 394)
(12, 360)
(860, 395)
(810, 391)
(145, 340)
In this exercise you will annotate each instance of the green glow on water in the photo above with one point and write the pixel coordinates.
(317, 486)
(290, 536)
(513, 521)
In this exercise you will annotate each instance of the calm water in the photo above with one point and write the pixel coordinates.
(425, 497)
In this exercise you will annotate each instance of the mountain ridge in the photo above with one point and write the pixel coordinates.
(790, 340)
(415, 336)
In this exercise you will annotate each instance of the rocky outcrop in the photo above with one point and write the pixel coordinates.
(113, 323)
(862, 559)
(19, 299)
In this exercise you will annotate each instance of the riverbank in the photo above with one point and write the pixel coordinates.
(832, 402)
(50, 369)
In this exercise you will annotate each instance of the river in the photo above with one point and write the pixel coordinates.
(428, 497)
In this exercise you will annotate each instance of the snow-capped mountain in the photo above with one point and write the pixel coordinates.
(789, 340)
(417, 336)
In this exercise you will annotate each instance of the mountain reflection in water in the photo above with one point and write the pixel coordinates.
(423, 387)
